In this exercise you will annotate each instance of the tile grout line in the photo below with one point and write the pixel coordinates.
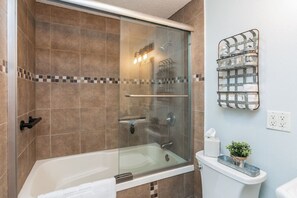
(105, 87)
(79, 100)
(50, 105)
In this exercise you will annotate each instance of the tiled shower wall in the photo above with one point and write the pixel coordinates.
(193, 14)
(77, 68)
(26, 140)
(3, 100)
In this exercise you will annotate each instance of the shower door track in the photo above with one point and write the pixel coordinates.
(93, 6)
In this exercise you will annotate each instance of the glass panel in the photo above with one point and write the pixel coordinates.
(154, 130)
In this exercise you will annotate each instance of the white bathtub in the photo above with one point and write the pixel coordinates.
(63, 172)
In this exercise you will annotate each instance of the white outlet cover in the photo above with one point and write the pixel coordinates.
(279, 120)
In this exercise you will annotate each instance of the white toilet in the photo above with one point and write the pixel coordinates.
(220, 181)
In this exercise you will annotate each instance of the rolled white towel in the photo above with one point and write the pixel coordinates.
(250, 87)
(231, 97)
(253, 98)
(223, 104)
(232, 105)
(253, 106)
(223, 97)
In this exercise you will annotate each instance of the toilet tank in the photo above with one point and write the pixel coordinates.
(220, 181)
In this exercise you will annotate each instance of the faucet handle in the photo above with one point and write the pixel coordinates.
(167, 144)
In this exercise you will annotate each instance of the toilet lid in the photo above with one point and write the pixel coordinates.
(230, 172)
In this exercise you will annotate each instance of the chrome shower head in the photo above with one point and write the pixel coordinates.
(165, 45)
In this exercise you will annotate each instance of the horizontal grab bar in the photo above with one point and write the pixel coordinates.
(156, 96)
(132, 118)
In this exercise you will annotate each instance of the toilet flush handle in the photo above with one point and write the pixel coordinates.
(199, 166)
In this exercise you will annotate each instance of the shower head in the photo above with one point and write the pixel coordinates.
(165, 45)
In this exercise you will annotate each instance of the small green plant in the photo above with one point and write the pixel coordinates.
(239, 149)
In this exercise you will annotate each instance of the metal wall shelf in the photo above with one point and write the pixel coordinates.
(238, 80)
(237, 92)
(235, 67)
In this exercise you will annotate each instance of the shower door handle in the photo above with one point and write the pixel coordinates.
(132, 128)
(155, 96)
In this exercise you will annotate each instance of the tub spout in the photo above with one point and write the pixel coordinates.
(166, 145)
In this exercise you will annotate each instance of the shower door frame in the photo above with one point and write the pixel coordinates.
(12, 97)
(188, 95)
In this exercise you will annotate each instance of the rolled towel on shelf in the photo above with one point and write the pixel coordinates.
(241, 106)
(103, 188)
(223, 97)
(223, 88)
(231, 97)
(250, 87)
(253, 106)
(232, 105)
(253, 98)
(241, 97)
(223, 104)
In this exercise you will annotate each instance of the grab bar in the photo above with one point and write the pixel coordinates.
(156, 96)
(128, 118)
(31, 123)
(167, 144)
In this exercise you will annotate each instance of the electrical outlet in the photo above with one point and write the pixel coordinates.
(284, 121)
(278, 120)
(271, 120)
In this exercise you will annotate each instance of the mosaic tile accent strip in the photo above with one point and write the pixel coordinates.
(198, 77)
(76, 79)
(3, 66)
(173, 80)
(107, 80)
(24, 74)
(154, 189)
(138, 81)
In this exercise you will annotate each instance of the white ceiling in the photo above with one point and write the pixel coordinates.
(160, 8)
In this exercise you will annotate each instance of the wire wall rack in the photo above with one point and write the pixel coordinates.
(238, 73)
(166, 71)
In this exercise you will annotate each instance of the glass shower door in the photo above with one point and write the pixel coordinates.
(154, 124)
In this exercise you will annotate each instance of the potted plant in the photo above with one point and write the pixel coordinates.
(239, 151)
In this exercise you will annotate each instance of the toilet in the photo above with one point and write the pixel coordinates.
(220, 181)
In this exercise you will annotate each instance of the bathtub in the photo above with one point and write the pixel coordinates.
(64, 172)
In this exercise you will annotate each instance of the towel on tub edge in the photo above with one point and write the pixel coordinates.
(99, 189)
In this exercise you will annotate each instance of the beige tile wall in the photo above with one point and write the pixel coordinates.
(77, 117)
(26, 140)
(193, 14)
